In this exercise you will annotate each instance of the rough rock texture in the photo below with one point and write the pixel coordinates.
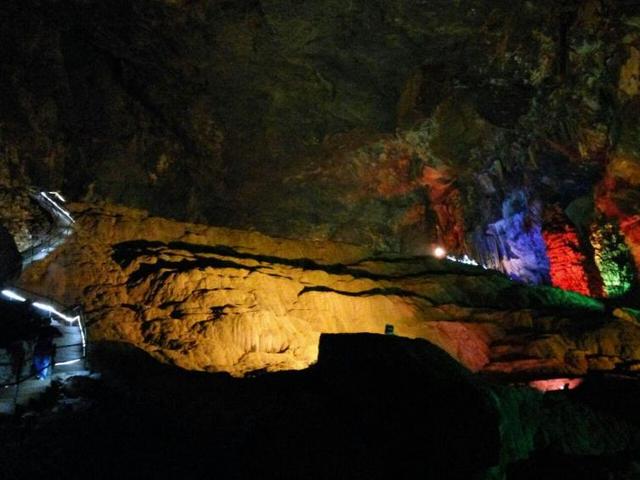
(215, 299)
(10, 260)
(27, 222)
(335, 120)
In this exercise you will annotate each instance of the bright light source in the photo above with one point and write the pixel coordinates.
(439, 252)
(42, 306)
(68, 362)
(58, 207)
(60, 197)
(13, 296)
(465, 260)
(49, 308)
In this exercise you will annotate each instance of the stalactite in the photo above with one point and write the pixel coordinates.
(630, 227)
(446, 202)
(566, 262)
(514, 245)
(612, 257)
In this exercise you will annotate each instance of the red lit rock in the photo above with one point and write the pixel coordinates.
(566, 261)
(552, 384)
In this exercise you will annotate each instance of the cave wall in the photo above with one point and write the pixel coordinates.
(398, 125)
(219, 299)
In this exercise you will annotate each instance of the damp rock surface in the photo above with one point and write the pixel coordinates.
(339, 121)
(216, 299)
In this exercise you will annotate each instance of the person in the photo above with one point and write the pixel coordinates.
(43, 355)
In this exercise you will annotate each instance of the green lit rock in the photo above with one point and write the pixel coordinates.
(613, 259)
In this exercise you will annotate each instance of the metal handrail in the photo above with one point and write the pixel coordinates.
(62, 228)
(29, 377)
(79, 315)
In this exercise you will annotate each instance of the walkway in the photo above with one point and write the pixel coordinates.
(52, 203)
(70, 355)
(71, 346)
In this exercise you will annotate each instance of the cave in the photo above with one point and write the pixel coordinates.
(321, 239)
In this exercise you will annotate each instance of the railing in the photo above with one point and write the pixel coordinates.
(51, 203)
(52, 363)
(19, 381)
(62, 316)
(44, 244)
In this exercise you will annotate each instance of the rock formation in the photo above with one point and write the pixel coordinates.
(216, 299)
(347, 126)
(24, 219)
(374, 406)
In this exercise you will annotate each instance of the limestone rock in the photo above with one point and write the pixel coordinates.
(346, 126)
(26, 221)
(215, 299)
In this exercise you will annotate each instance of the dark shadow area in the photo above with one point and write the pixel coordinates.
(126, 252)
(398, 292)
(19, 322)
(373, 407)
(10, 259)
(551, 465)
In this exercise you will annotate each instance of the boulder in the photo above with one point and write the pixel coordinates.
(381, 406)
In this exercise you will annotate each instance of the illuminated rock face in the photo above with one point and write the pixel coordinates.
(522, 253)
(613, 259)
(630, 228)
(567, 263)
(359, 132)
(215, 299)
(618, 199)
(515, 244)
(23, 218)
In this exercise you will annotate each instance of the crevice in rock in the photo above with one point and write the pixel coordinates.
(397, 292)
(126, 252)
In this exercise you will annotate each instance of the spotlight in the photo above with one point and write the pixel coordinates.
(13, 296)
(439, 252)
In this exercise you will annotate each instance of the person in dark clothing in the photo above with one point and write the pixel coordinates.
(43, 357)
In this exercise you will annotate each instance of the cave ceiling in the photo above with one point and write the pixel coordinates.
(393, 124)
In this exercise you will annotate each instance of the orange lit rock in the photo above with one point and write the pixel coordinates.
(629, 81)
(215, 299)
(446, 201)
